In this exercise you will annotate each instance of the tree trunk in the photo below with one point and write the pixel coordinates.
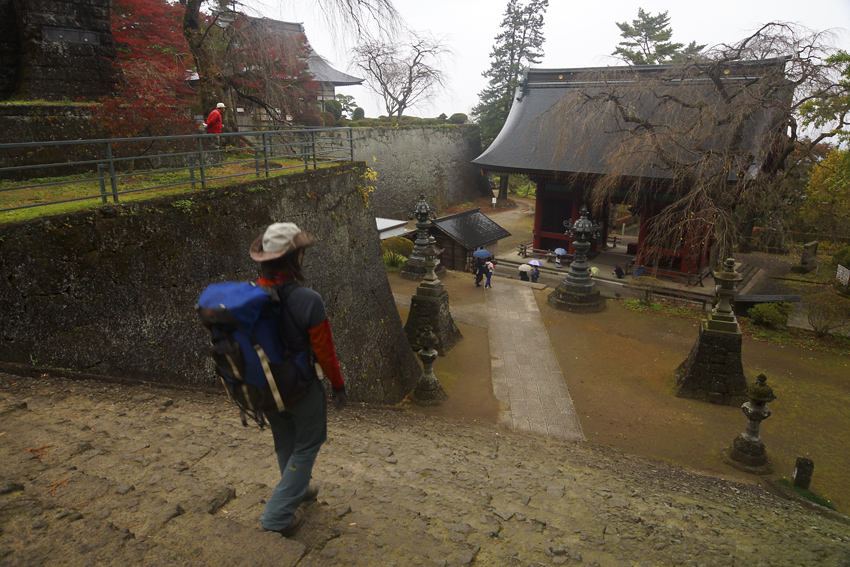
(211, 83)
(503, 186)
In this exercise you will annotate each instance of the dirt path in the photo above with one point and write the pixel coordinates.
(619, 369)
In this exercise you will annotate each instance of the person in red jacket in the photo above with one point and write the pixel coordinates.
(300, 430)
(213, 123)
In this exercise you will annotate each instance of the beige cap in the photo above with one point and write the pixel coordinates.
(279, 239)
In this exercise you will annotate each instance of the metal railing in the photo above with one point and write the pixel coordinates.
(37, 174)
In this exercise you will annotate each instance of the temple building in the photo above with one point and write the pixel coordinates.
(638, 136)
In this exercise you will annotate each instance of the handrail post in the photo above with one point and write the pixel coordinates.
(313, 145)
(191, 160)
(100, 168)
(351, 141)
(266, 153)
(112, 172)
(201, 162)
(256, 162)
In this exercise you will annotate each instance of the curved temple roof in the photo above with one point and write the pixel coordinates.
(597, 120)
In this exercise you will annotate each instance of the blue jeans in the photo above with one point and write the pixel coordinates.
(487, 283)
(298, 435)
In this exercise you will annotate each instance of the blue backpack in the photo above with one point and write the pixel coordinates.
(259, 372)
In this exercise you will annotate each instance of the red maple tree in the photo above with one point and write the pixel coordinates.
(152, 99)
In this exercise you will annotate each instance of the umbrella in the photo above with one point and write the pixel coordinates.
(525, 268)
(535, 262)
(594, 271)
(560, 252)
(481, 254)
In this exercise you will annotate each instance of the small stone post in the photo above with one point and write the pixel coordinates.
(428, 391)
(747, 451)
(803, 470)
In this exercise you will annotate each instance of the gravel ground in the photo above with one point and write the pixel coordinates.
(105, 474)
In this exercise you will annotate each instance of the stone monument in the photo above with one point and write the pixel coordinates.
(713, 371)
(429, 306)
(428, 391)
(577, 293)
(415, 268)
(808, 260)
(747, 451)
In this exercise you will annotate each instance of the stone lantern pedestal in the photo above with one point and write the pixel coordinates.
(747, 451)
(713, 371)
(429, 306)
(577, 293)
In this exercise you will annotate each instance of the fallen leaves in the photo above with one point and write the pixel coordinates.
(39, 451)
(51, 488)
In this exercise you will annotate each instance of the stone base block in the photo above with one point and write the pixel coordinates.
(753, 464)
(427, 396)
(433, 311)
(575, 302)
(713, 371)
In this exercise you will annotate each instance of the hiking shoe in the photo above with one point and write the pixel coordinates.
(311, 495)
(294, 524)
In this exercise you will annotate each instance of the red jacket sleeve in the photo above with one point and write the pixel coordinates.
(323, 345)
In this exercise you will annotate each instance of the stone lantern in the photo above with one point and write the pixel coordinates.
(747, 451)
(424, 215)
(722, 317)
(714, 371)
(428, 391)
(430, 306)
(577, 292)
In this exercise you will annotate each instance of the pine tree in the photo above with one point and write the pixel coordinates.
(518, 45)
(647, 41)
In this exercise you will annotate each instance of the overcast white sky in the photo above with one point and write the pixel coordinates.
(578, 33)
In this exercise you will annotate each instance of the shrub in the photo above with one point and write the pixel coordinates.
(458, 118)
(393, 260)
(359, 114)
(827, 312)
(398, 245)
(328, 119)
(774, 315)
(842, 257)
(334, 107)
(646, 285)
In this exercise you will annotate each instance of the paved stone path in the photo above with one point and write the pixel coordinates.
(526, 375)
(108, 475)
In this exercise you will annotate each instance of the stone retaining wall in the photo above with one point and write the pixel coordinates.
(436, 162)
(112, 291)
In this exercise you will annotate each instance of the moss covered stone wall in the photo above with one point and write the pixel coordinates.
(112, 291)
(435, 161)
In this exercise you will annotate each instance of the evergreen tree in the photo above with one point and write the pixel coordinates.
(518, 45)
(647, 41)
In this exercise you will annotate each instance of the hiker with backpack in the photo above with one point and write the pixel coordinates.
(266, 337)
(301, 429)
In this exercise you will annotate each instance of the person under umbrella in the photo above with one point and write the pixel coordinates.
(535, 273)
(524, 270)
(559, 255)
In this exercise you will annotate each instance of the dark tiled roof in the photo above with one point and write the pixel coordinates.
(552, 129)
(317, 65)
(471, 229)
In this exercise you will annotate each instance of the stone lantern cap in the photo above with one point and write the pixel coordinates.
(728, 273)
(760, 391)
(432, 250)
